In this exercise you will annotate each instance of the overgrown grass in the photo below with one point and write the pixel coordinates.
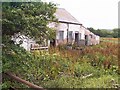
(89, 67)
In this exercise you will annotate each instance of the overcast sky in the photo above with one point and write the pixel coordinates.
(102, 14)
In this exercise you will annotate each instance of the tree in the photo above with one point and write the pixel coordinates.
(91, 29)
(116, 33)
(28, 18)
(103, 32)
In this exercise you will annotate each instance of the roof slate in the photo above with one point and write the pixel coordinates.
(64, 16)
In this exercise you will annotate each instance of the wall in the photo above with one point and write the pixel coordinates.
(82, 30)
(75, 28)
(97, 39)
(71, 27)
(59, 27)
(26, 42)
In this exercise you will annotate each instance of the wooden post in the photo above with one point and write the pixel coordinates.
(24, 81)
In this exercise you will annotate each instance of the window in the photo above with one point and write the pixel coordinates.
(90, 35)
(79, 36)
(61, 35)
(70, 35)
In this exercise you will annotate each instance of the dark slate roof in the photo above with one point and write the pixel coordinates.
(65, 17)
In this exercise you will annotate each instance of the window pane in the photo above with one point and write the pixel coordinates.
(70, 36)
(79, 36)
(61, 35)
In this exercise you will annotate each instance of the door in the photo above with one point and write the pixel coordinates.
(86, 39)
(76, 37)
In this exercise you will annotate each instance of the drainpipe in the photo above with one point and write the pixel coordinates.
(67, 31)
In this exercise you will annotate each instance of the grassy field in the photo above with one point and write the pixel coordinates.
(87, 67)
(114, 40)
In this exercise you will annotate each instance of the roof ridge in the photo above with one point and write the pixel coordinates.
(72, 15)
(63, 15)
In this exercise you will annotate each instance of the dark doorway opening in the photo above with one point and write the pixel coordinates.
(86, 39)
(76, 37)
(52, 42)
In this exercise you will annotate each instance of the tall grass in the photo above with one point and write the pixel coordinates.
(66, 68)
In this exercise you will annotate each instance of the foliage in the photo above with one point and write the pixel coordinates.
(106, 33)
(116, 33)
(58, 67)
(28, 18)
(63, 68)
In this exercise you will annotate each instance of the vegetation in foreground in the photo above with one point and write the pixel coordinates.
(90, 67)
(58, 68)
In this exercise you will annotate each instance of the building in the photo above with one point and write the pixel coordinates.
(68, 31)
(91, 38)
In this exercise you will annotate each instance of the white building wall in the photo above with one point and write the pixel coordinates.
(98, 39)
(70, 27)
(73, 27)
(62, 27)
(59, 27)
(26, 42)
(82, 30)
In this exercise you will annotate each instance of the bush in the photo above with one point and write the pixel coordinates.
(51, 70)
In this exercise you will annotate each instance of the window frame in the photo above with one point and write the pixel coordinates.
(61, 35)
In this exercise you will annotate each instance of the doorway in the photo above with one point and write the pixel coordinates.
(76, 37)
(52, 42)
(86, 39)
